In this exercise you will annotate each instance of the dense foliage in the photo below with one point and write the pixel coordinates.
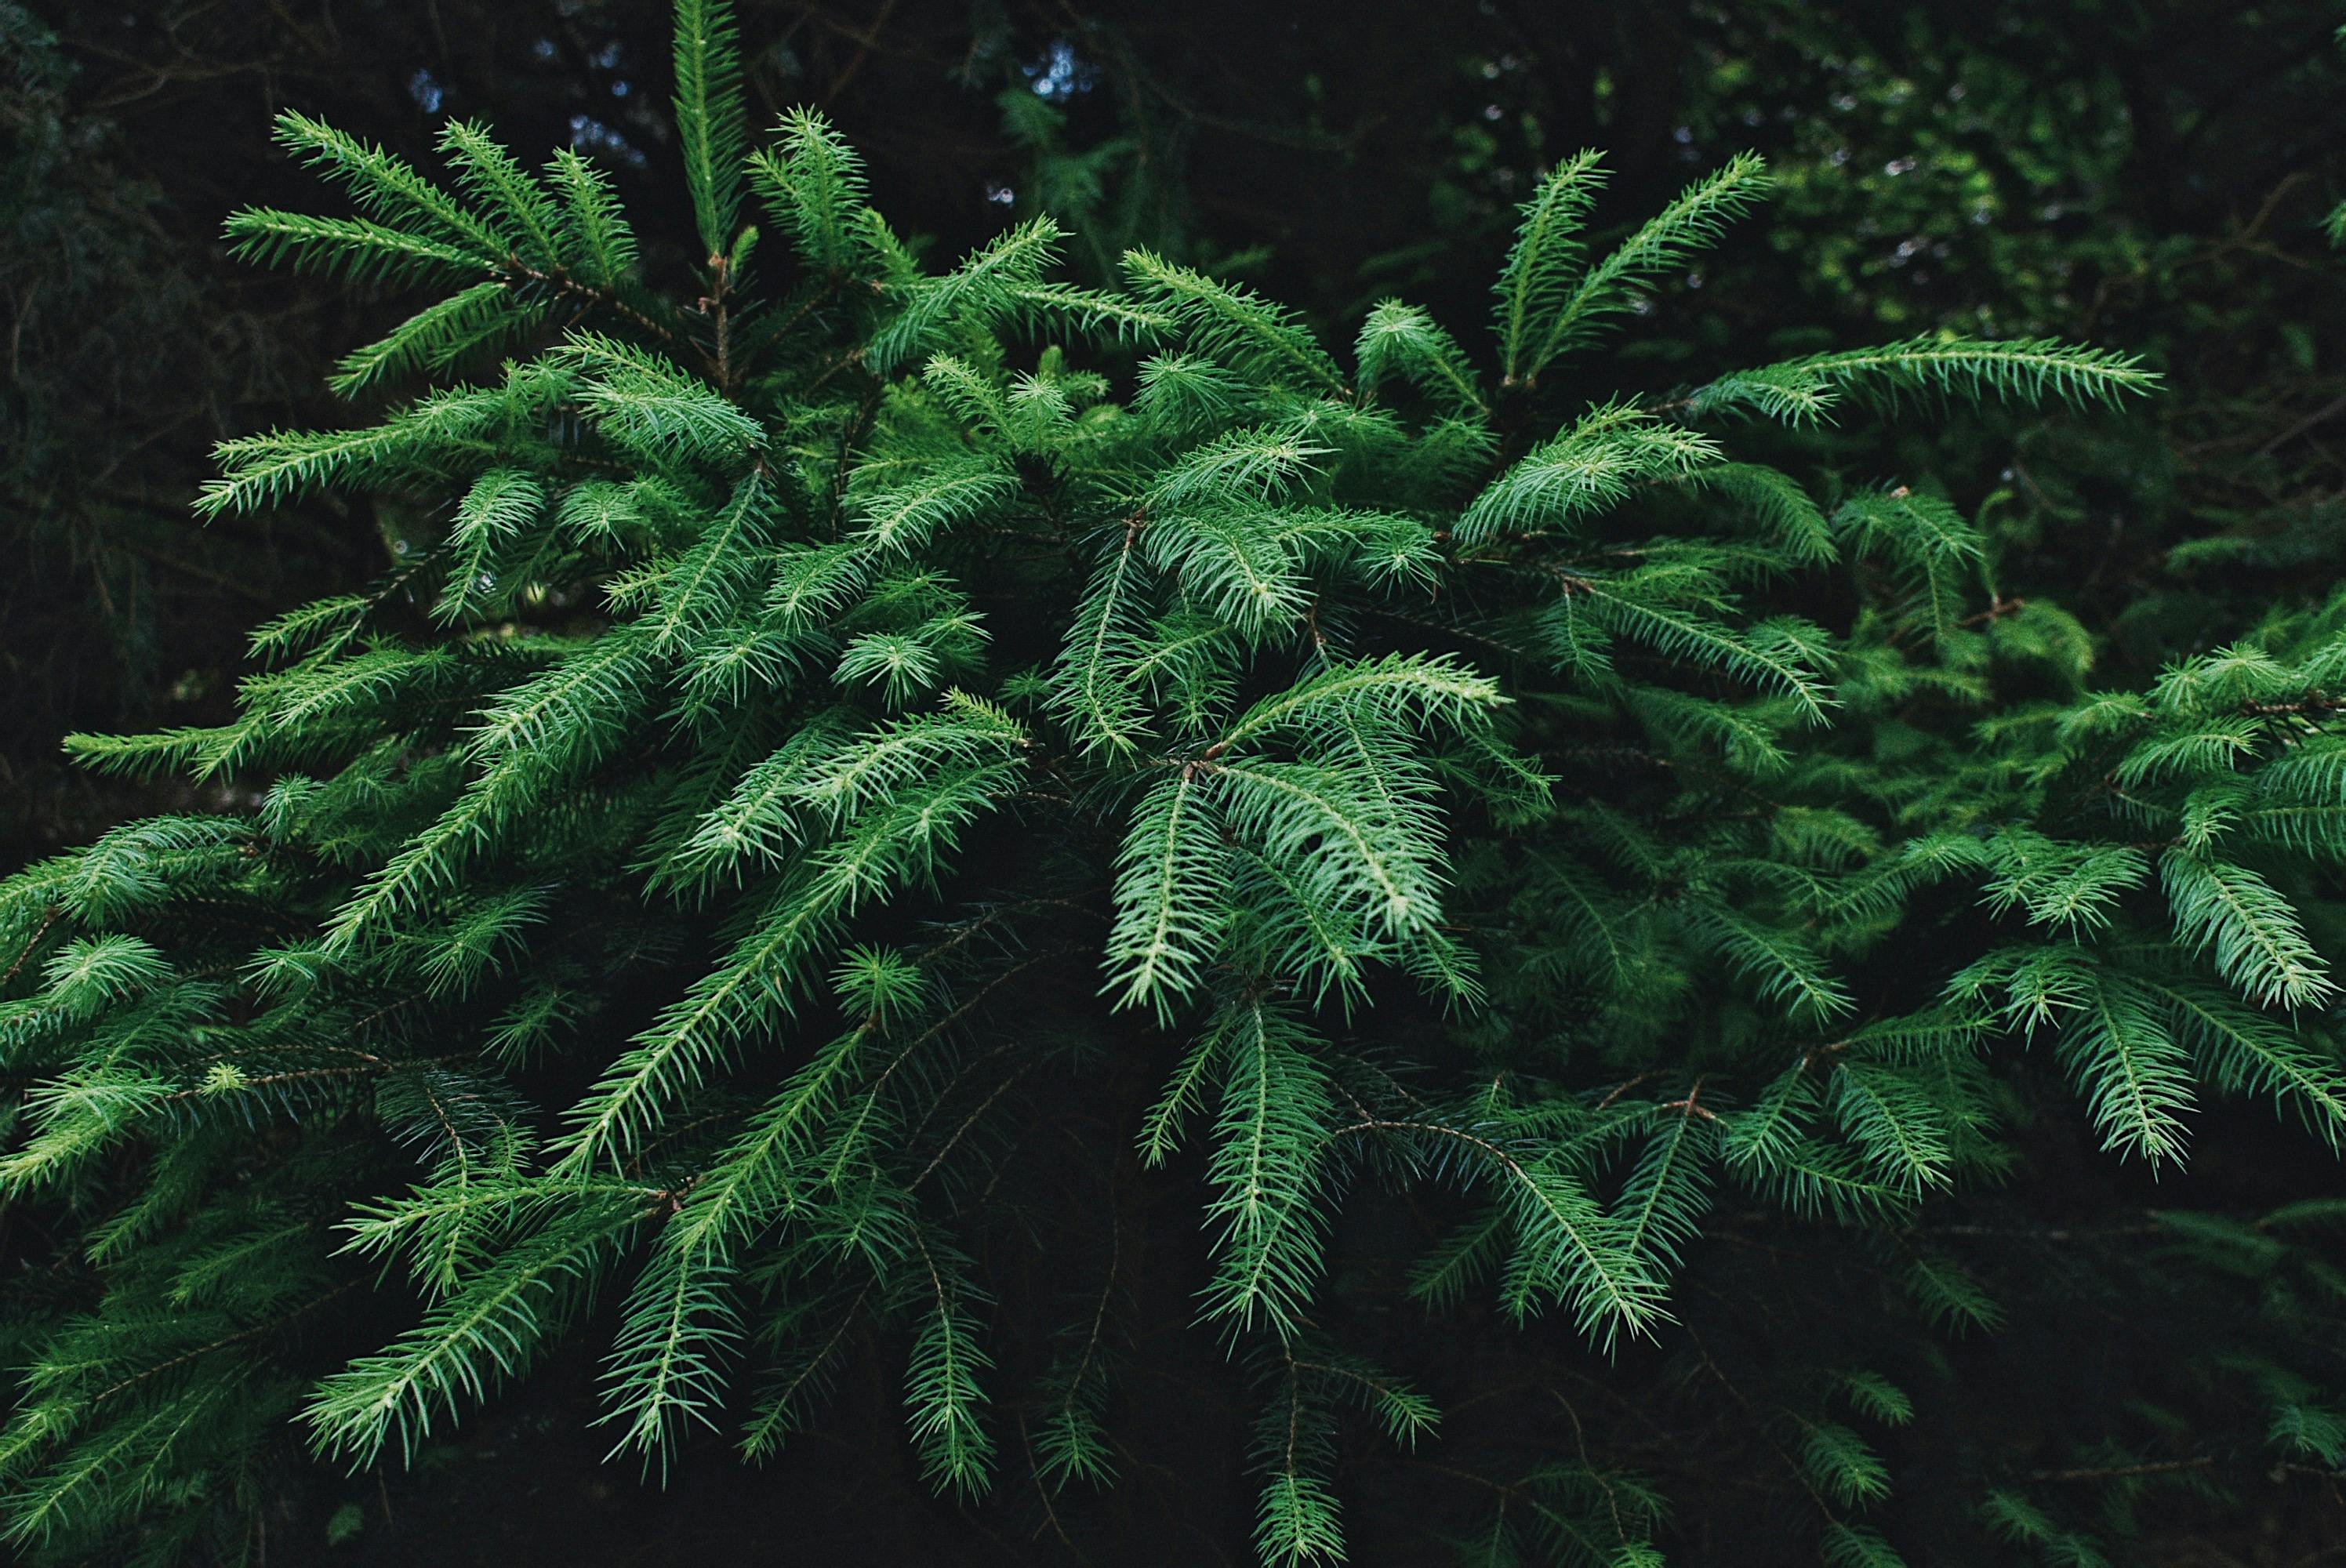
(879, 806)
(2147, 172)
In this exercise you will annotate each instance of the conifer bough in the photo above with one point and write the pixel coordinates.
(832, 742)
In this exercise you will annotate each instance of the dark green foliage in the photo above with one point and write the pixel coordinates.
(866, 749)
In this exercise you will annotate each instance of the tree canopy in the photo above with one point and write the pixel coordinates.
(1538, 923)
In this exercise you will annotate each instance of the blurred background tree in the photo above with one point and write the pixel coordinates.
(2148, 174)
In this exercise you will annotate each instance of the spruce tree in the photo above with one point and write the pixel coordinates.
(861, 769)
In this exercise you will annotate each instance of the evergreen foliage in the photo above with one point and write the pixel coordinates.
(878, 762)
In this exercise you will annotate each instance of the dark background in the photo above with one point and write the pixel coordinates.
(2148, 174)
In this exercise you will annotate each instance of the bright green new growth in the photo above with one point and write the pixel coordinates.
(665, 887)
